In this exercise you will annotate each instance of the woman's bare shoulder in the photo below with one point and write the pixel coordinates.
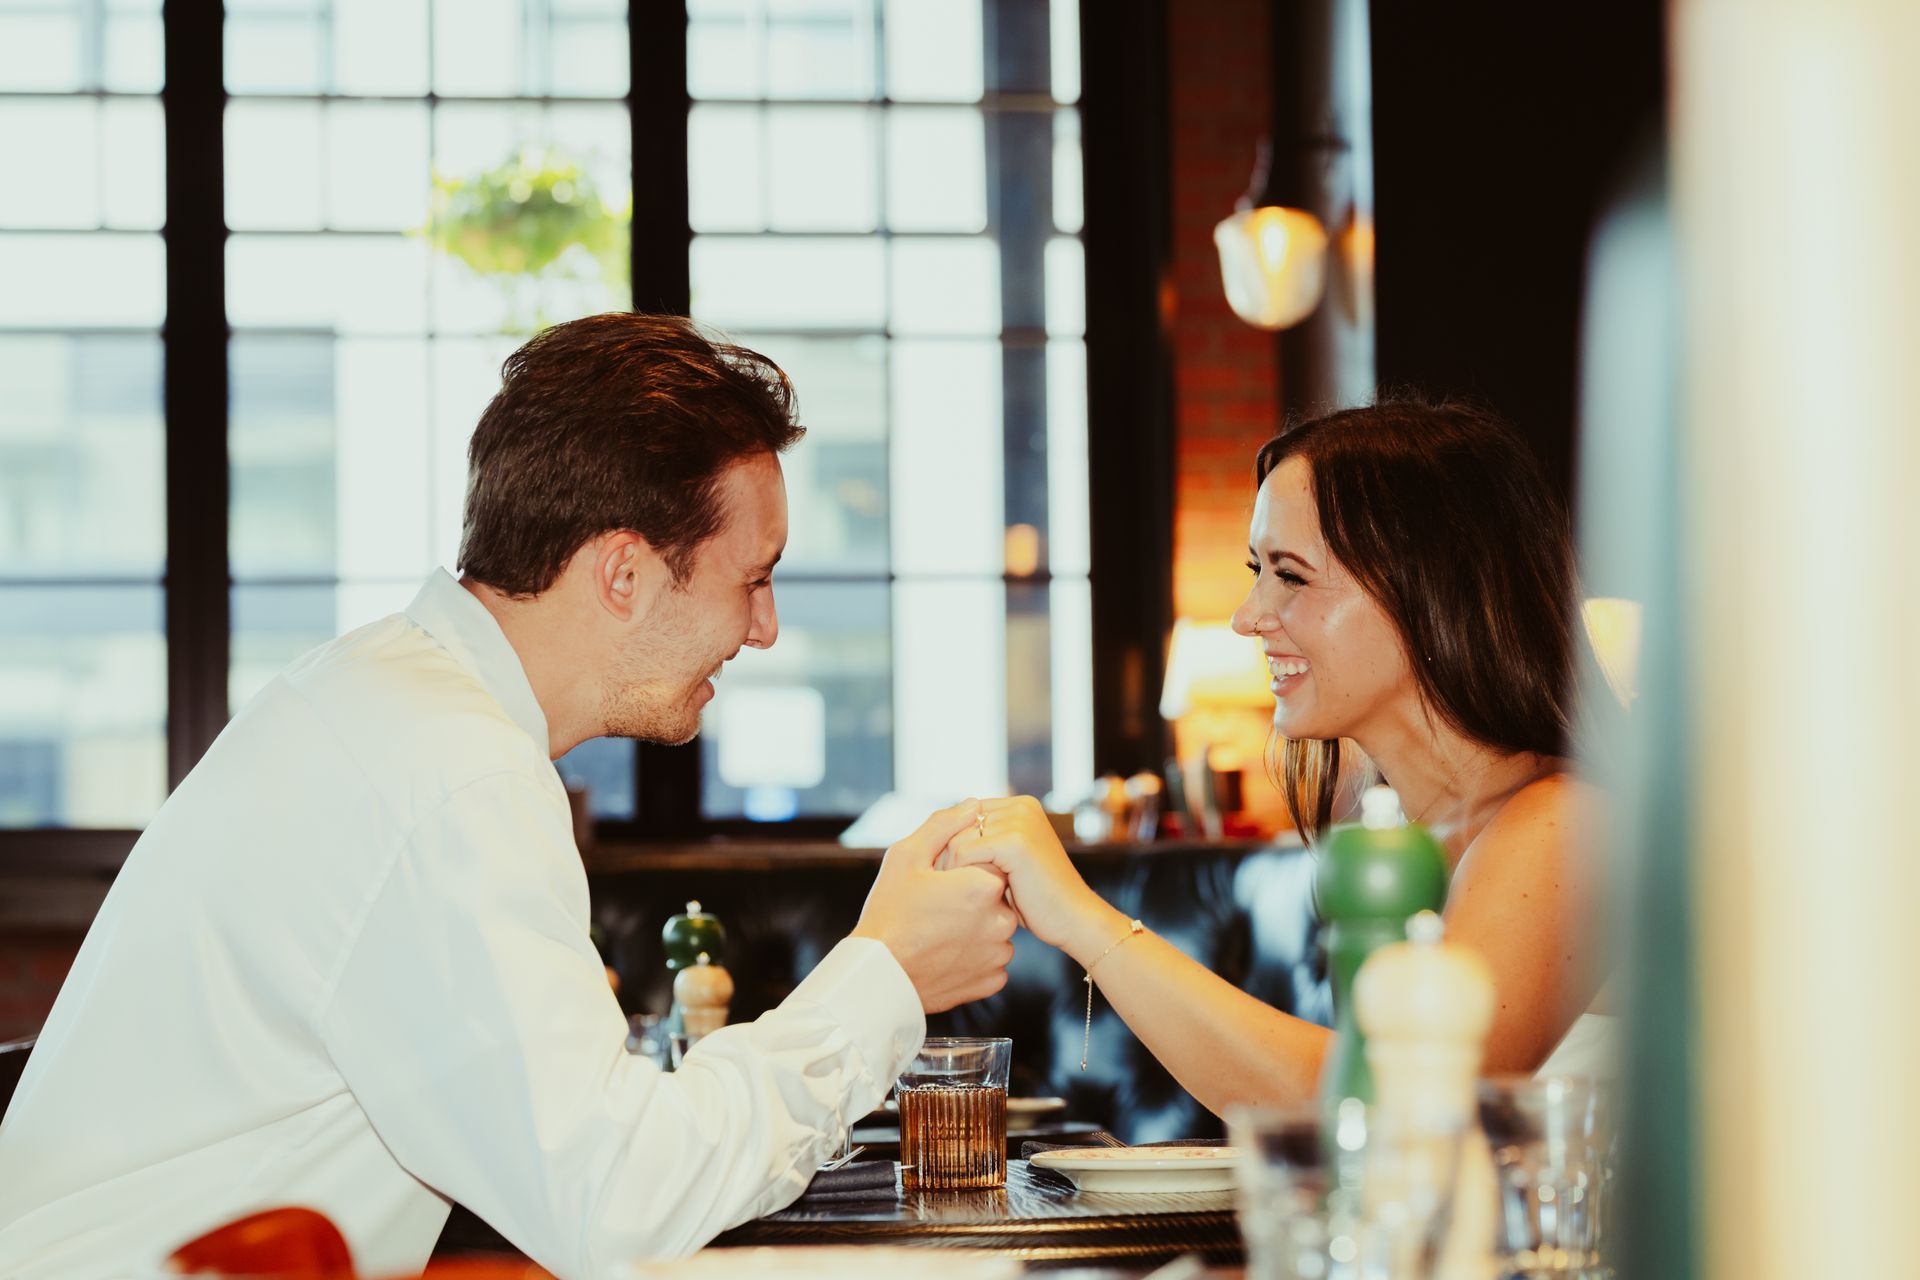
(1549, 815)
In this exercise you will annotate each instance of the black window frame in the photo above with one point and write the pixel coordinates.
(1126, 188)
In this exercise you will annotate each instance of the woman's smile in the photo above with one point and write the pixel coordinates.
(1289, 672)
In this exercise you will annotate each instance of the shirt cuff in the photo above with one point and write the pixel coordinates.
(862, 987)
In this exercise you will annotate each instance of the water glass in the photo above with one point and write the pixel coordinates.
(1552, 1144)
(1353, 1197)
(953, 1114)
(1283, 1182)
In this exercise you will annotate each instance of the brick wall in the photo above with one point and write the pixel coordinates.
(1225, 375)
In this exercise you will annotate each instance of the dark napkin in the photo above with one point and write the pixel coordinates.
(861, 1180)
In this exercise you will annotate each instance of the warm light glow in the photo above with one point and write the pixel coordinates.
(1273, 262)
(1613, 627)
(1211, 666)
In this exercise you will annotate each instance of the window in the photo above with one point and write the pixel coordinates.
(885, 199)
(412, 189)
(883, 195)
(83, 659)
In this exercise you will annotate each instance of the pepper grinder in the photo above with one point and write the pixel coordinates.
(696, 943)
(1371, 877)
(1425, 1007)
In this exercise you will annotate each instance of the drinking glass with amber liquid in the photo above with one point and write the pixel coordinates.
(953, 1114)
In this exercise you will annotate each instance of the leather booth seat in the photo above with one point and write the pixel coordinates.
(1244, 911)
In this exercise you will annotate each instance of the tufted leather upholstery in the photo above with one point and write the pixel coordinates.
(1246, 913)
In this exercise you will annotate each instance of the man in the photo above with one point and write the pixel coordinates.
(347, 965)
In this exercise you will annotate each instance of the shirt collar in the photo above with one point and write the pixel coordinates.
(453, 616)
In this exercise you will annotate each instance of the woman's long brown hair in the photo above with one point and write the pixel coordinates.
(1443, 517)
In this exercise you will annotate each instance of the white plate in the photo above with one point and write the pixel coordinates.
(1141, 1170)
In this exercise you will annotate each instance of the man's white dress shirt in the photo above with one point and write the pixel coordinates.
(347, 967)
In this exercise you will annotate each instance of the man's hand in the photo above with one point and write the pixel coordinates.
(952, 931)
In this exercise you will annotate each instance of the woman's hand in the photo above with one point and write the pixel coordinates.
(1052, 899)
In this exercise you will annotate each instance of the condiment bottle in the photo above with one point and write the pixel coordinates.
(1425, 1007)
(696, 943)
(1371, 877)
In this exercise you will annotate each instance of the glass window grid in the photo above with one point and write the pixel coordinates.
(1010, 336)
(286, 600)
(1028, 596)
(83, 653)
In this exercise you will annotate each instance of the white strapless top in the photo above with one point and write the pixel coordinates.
(1591, 1047)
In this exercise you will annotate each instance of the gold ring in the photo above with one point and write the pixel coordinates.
(980, 823)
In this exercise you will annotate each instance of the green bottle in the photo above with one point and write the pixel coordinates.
(1371, 877)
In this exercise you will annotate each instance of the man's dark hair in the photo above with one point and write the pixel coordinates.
(616, 421)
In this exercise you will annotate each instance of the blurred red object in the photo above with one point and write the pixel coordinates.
(293, 1244)
(299, 1244)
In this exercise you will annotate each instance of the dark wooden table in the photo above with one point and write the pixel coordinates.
(1037, 1218)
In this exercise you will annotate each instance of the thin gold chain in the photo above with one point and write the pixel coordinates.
(1086, 1036)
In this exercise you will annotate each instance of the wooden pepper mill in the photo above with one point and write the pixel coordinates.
(695, 944)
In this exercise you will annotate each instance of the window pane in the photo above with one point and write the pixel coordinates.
(945, 286)
(725, 51)
(83, 680)
(1064, 47)
(50, 147)
(379, 166)
(819, 48)
(789, 283)
(950, 688)
(821, 168)
(81, 455)
(380, 47)
(936, 169)
(1068, 174)
(1068, 519)
(805, 727)
(948, 459)
(726, 169)
(272, 165)
(934, 51)
(89, 280)
(275, 52)
(360, 285)
(1066, 275)
(133, 52)
(42, 52)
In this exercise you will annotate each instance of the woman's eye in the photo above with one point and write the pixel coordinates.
(1291, 579)
(1253, 567)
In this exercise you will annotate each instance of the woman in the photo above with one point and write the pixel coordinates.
(1413, 589)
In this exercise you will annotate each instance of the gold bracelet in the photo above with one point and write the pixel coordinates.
(1086, 1038)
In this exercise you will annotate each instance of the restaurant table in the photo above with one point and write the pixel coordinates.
(1036, 1217)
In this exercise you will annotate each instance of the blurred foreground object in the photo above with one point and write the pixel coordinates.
(279, 1242)
(1796, 149)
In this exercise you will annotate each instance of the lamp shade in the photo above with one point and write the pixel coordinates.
(1273, 262)
(1210, 666)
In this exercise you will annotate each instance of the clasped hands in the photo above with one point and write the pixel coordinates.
(949, 897)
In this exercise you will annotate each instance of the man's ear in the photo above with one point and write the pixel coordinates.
(627, 573)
